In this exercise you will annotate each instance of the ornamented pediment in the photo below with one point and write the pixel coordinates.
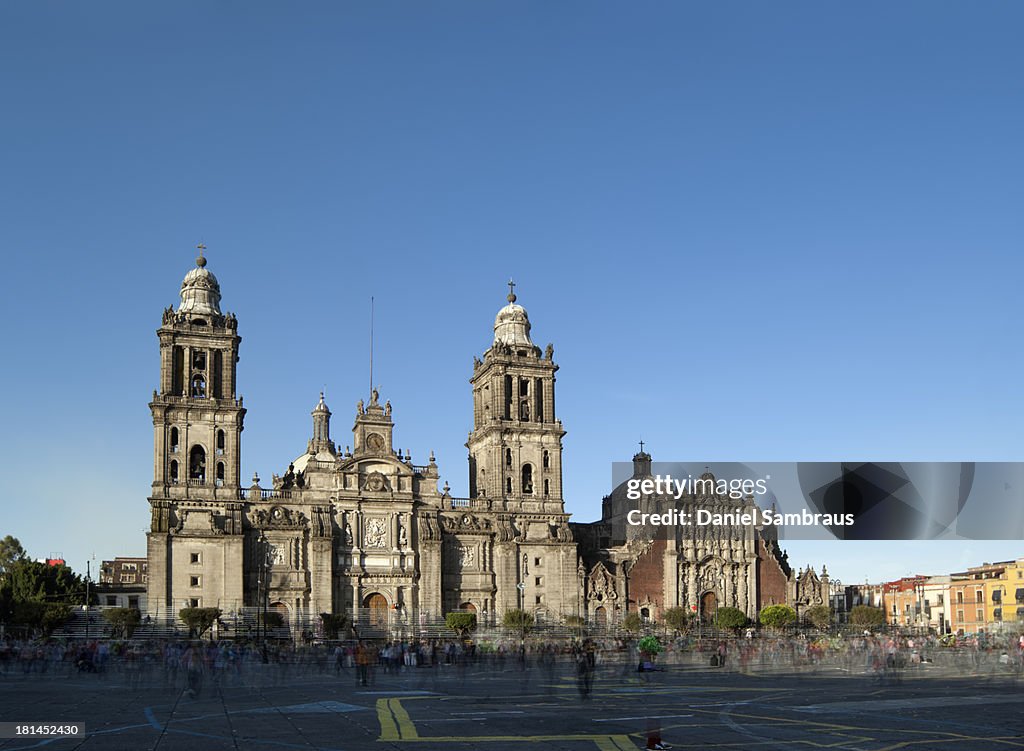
(465, 523)
(710, 575)
(376, 482)
(278, 516)
(601, 584)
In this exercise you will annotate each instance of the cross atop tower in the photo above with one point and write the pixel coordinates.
(641, 445)
(200, 262)
(511, 291)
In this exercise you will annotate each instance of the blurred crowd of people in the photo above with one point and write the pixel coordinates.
(192, 665)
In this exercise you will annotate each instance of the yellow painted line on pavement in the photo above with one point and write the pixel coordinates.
(615, 743)
(395, 724)
(406, 730)
(624, 743)
(388, 728)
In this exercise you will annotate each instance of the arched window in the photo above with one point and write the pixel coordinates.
(198, 387)
(174, 473)
(547, 487)
(527, 484)
(547, 460)
(645, 613)
(221, 440)
(197, 464)
(508, 485)
(220, 474)
(508, 457)
(174, 440)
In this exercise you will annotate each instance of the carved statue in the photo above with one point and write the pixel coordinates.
(374, 396)
(549, 351)
(360, 408)
(348, 534)
(387, 408)
(375, 534)
(403, 541)
(288, 480)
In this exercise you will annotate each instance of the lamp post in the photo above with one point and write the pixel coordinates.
(88, 574)
(263, 592)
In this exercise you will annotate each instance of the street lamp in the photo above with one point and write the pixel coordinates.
(263, 589)
(88, 574)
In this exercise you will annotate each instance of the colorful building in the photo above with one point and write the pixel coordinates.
(988, 598)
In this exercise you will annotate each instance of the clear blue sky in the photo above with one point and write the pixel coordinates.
(754, 232)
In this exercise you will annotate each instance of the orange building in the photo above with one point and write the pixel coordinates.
(987, 598)
(903, 601)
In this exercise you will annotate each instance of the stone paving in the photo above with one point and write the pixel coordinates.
(422, 709)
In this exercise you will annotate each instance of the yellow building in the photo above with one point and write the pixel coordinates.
(988, 598)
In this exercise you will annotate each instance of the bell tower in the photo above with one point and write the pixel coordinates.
(197, 416)
(515, 449)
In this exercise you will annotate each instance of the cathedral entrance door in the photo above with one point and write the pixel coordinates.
(601, 616)
(708, 607)
(468, 607)
(281, 610)
(377, 604)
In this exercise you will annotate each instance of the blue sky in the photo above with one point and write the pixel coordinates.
(754, 232)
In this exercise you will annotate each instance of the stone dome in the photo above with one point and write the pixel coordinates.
(512, 325)
(200, 291)
(321, 406)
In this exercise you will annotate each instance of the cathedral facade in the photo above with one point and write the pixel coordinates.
(645, 569)
(367, 532)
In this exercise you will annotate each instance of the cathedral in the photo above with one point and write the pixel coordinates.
(366, 532)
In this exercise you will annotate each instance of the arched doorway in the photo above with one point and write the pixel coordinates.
(601, 616)
(468, 607)
(708, 607)
(377, 604)
(278, 625)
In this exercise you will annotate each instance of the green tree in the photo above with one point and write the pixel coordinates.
(39, 615)
(865, 615)
(677, 618)
(461, 623)
(649, 645)
(11, 552)
(777, 616)
(55, 615)
(632, 623)
(731, 618)
(28, 586)
(124, 621)
(199, 620)
(819, 616)
(333, 624)
(519, 621)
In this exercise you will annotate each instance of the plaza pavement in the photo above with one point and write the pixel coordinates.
(426, 709)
